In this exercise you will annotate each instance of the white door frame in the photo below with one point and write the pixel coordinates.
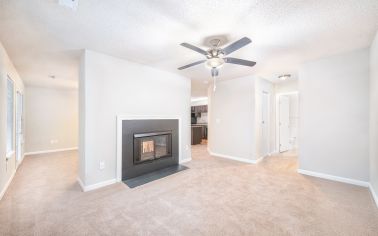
(278, 117)
(267, 123)
(18, 143)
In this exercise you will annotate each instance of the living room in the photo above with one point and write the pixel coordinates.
(191, 117)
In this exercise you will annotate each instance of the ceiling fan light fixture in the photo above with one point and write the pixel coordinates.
(284, 77)
(215, 62)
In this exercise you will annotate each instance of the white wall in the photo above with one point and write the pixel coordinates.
(7, 168)
(111, 86)
(52, 119)
(374, 116)
(333, 130)
(235, 118)
(287, 86)
(232, 118)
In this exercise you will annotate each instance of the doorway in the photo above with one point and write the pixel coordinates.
(199, 121)
(287, 121)
(19, 127)
(265, 121)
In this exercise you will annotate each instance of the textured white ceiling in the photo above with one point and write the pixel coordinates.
(44, 38)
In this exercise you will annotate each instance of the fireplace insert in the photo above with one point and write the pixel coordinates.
(152, 146)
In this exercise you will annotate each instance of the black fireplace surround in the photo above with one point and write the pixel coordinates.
(148, 145)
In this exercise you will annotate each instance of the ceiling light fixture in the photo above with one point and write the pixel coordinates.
(215, 62)
(52, 76)
(284, 77)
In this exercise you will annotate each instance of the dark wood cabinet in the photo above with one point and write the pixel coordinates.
(199, 109)
(199, 132)
(196, 135)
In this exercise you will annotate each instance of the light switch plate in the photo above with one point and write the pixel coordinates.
(102, 165)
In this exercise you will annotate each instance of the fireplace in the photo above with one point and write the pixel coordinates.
(152, 146)
(148, 146)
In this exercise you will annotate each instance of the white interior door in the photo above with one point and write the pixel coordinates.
(265, 123)
(19, 126)
(284, 123)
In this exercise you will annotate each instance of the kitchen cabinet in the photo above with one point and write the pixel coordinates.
(196, 135)
(199, 132)
(199, 109)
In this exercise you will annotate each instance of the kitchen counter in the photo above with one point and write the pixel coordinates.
(199, 124)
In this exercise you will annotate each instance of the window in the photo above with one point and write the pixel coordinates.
(10, 117)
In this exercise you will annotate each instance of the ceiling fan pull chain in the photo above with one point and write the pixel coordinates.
(215, 83)
(214, 74)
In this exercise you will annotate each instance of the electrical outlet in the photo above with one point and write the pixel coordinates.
(52, 141)
(102, 165)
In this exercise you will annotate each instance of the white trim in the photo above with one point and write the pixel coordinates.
(18, 163)
(185, 160)
(4, 190)
(277, 111)
(121, 118)
(241, 159)
(9, 154)
(82, 186)
(87, 188)
(334, 178)
(274, 153)
(50, 151)
(374, 194)
(268, 122)
(199, 99)
(287, 93)
(260, 159)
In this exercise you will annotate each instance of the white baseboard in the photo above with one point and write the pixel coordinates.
(260, 159)
(374, 194)
(82, 186)
(334, 178)
(2, 193)
(87, 188)
(50, 151)
(185, 160)
(235, 158)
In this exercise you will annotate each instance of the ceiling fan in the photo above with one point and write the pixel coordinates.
(215, 56)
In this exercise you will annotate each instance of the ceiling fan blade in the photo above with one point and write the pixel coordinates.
(236, 45)
(192, 64)
(239, 61)
(194, 48)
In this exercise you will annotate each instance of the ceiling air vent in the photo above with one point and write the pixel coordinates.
(73, 4)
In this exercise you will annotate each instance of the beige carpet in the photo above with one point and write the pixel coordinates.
(215, 197)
